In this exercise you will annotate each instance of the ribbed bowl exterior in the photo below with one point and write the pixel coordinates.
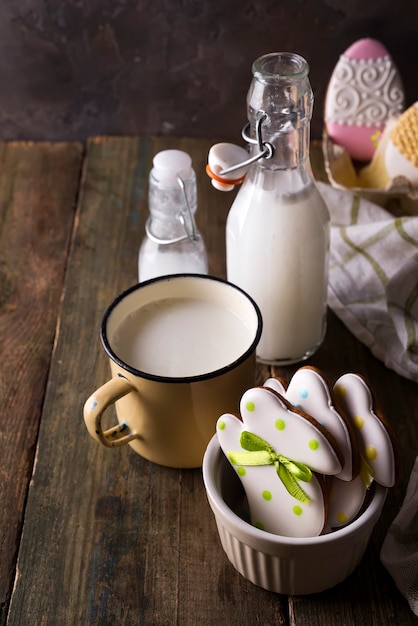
(283, 564)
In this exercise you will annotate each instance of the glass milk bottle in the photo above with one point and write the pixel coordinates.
(173, 244)
(277, 233)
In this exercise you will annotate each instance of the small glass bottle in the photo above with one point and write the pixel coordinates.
(277, 233)
(173, 244)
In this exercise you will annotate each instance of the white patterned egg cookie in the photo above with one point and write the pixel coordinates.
(401, 152)
(276, 451)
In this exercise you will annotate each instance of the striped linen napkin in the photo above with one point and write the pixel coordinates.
(373, 277)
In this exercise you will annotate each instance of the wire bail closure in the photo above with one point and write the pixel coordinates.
(190, 232)
(266, 148)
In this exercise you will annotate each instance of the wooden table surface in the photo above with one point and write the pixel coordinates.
(90, 535)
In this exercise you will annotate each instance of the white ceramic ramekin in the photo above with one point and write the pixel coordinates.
(276, 563)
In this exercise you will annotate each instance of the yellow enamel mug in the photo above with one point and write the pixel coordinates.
(182, 352)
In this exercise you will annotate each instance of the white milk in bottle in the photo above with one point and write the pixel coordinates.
(277, 232)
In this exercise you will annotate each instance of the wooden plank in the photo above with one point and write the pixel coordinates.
(38, 192)
(109, 537)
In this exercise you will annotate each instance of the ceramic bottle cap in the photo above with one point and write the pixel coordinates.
(169, 164)
(221, 157)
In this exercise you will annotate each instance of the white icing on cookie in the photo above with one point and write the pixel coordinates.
(267, 414)
(277, 385)
(364, 93)
(345, 500)
(375, 442)
(275, 439)
(309, 392)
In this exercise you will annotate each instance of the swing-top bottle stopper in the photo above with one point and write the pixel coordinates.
(223, 160)
(172, 242)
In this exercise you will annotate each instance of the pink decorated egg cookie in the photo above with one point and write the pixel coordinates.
(365, 90)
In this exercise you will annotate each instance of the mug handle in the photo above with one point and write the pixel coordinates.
(95, 406)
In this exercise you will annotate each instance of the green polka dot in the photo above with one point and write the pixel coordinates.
(241, 471)
(280, 424)
(259, 525)
(221, 425)
(297, 510)
(267, 495)
(250, 406)
(313, 444)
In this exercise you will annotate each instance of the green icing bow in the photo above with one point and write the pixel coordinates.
(261, 453)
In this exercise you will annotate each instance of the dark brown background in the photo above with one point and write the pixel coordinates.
(76, 68)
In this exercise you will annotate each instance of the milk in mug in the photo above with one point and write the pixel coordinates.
(181, 337)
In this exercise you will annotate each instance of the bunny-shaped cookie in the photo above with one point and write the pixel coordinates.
(375, 438)
(345, 500)
(378, 450)
(275, 450)
(309, 391)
